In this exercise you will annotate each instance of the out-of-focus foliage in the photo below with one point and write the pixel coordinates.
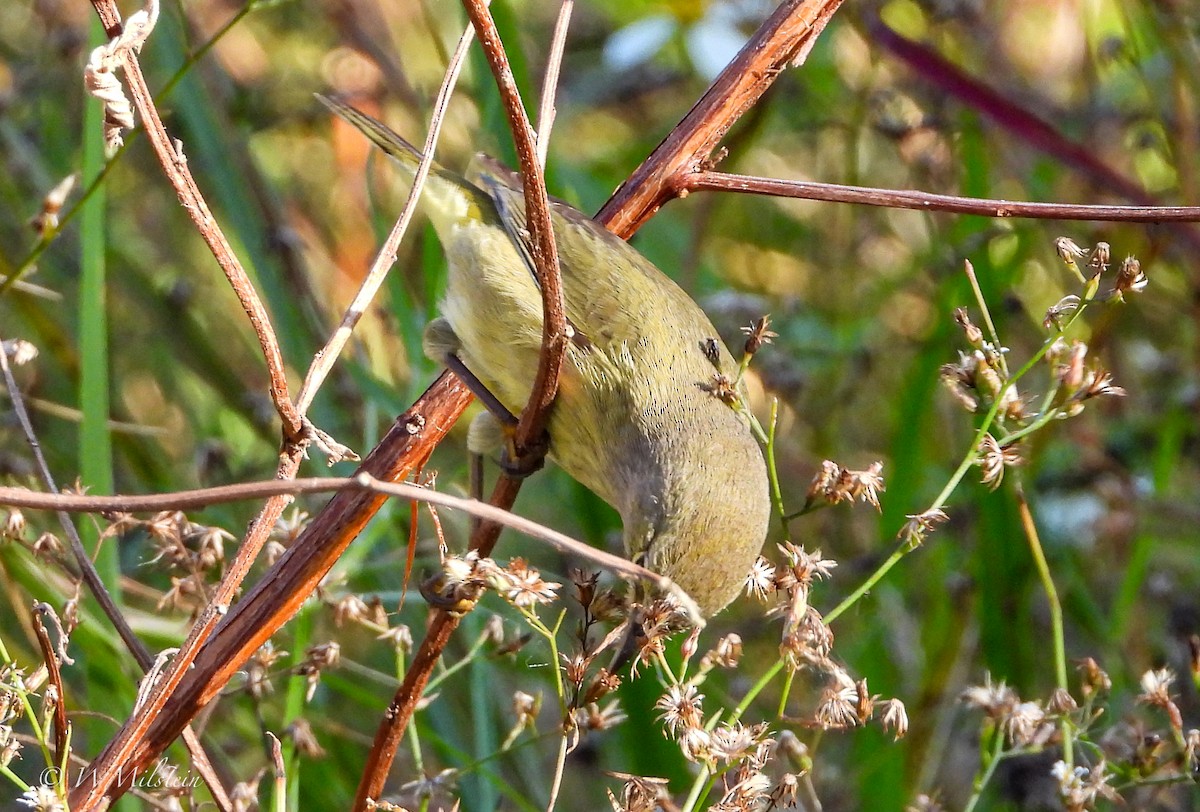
(862, 298)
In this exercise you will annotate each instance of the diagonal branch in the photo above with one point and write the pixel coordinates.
(175, 167)
(784, 40)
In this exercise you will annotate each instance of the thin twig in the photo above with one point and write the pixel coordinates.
(710, 181)
(244, 491)
(175, 168)
(54, 674)
(536, 414)
(560, 765)
(325, 359)
(547, 111)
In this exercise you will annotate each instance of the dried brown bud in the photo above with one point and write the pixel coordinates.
(758, 334)
(1061, 702)
(721, 387)
(1130, 279)
(1068, 250)
(1098, 261)
(974, 334)
(1095, 679)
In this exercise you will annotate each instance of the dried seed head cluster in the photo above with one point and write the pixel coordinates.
(920, 525)
(757, 334)
(1156, 692)
(994, 458)
(834, 484)
(979, 379)
(1081, 787)
(182, 545)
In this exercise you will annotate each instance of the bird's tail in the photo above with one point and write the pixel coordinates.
(448, 198)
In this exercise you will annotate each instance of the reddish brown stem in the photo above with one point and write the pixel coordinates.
(924, 201)
(176, 170)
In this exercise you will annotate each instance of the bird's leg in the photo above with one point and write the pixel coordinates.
(441, 344)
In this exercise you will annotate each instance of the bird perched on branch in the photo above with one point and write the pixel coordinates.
(648, 413)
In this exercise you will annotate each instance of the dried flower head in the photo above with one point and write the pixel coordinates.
(1061, 703)
(838, 708)
(400, 636)
(1069, 250)
(1094, 679)
(834, 484)
(13, 523)
(993, 459)
(350, 608)
(803, 567)
(289, 527)
(994, 699)
(758, 334)
(1098, 261)
(1023, 724)
(727, 653)
(1156, 692)
(1064, 307)
(1080, 787)
(722, 387)
(522, 585)
(1130, 279)
(919, 525)
(301, 732)
(737, 741)
(603, 684)
(592, 717)
(760, 582)
(894, 718)
(640, 794)
(42, 799)
(974, 334)
(681, 708)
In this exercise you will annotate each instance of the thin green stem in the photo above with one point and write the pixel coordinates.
(449, 671)
(1057, 634)
(773, 471)
(990, 769)
(785, 693)
(965, 465)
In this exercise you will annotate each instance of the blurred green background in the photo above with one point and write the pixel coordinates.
(862, 299)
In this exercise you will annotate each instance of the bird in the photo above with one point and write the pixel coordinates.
(643, 415)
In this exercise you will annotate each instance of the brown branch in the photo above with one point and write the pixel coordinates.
(54, 674)
(784, 39)
(1035, 131)
(536, 415)
(710, 181)
(175, 167)
(273, 600)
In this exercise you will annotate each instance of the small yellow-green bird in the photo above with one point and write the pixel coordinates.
(636, 419)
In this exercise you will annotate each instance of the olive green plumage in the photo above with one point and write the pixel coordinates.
(633, 420)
